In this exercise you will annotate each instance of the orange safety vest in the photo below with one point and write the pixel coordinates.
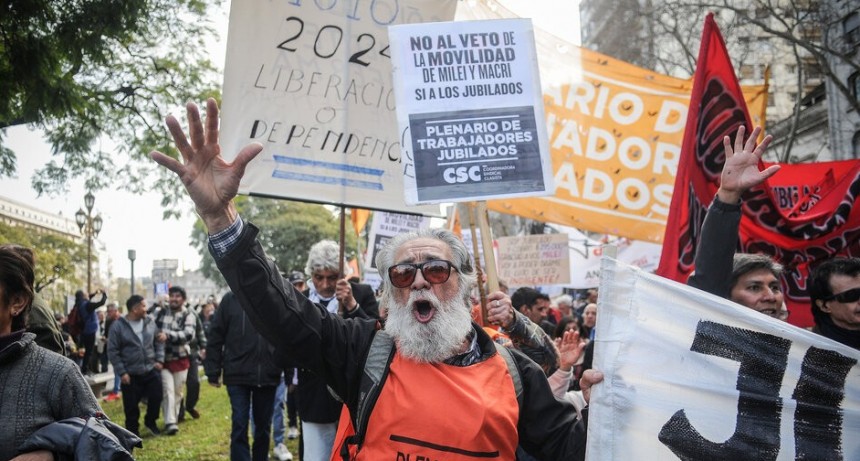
(440, 412)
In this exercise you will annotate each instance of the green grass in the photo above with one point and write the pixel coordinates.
(205, 439)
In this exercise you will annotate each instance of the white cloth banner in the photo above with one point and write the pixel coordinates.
(692, 376)
(311, 81)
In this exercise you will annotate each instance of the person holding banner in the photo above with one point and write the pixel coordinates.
(747, 279)
(438, 355)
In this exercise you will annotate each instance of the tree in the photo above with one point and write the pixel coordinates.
(793, 32)
(287, 231)
(94, 72)
(56, 257)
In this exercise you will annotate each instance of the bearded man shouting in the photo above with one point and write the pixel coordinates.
(448, 393)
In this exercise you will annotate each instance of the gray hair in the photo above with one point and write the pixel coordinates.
(324, 256)
(567, 300)
(459, 254)
(745, 263)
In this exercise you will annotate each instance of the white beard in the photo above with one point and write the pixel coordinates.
(440, 338)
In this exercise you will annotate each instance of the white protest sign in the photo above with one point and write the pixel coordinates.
(470, 106)
(693, 376)
(311, 81)
(387, 225)
(530, 260)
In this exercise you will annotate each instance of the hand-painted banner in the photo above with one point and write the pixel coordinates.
(530, 260)
(692, 376)
(615, 132)
(311, 81)
(802, 215)
(470, 109)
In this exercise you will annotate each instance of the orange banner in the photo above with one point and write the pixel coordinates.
(615, 133)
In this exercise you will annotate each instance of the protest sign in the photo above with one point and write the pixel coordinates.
(692, 376)
(615, 134)
(385, 226)
(470, 108)
(531, 260)
(311, 81)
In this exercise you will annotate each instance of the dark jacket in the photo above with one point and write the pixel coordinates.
(336, 349)
(42, 323)
(236, 350)
(128, 354)
(95, 438)
(716, 248)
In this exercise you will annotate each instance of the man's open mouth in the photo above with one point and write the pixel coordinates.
(423, 310)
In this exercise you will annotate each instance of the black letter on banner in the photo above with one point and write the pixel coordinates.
(819, 392)
(763, 359)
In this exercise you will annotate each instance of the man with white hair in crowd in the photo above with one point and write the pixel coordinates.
(438, 355)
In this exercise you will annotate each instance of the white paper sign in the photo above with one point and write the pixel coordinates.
(311, 81)
(470, 106)
(529, 260)
(693, 376)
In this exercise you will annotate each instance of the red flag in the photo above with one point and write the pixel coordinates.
(717, 109)
(801, 216)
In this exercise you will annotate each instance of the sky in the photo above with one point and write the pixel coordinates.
(135, 221)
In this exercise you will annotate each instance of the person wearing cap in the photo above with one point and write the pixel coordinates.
(298, 280)
(137, 357)
(436, 353)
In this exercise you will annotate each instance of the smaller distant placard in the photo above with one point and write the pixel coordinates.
(470, 107)
(386, 225)
(533, 260)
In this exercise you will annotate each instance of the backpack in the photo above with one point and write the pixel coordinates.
(376, 369)
(75, 321)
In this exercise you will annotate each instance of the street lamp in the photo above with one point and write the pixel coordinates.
(90, 226)
(131, 257)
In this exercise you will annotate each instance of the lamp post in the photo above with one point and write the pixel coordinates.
(90, 226)
(131, 257)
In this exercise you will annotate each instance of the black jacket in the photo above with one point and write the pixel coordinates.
(237, 350)
(336, 349)
(315, 402)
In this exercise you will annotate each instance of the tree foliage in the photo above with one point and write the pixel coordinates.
(91, 73)
(668, 34)
(56, 257)
(287, 231)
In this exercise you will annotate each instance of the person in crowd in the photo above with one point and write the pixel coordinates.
(87, 308)
(37, 386)
(564, 381)
(589, 320)
(238, 357)
(176, 326)
(751, 280)
(206, 313)
(41, 321)
(567, 323)
(534, 305)
(318, 410)
(69, 347)
(834, 291)
(438, 354)
(100, 360)
(298, 280)
(564, 304)
(137, 358)
(192, 384)
(110, 317)
(279, 449)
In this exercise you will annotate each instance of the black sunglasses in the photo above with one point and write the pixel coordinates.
(847, 296)
(436, 271)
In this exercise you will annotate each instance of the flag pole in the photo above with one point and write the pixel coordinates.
(482, 294)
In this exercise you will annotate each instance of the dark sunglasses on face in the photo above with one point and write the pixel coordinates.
(847, 296)
(436, 271)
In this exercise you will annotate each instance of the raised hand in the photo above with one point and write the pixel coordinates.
(210, 181)
(570, 348)
(740, 171)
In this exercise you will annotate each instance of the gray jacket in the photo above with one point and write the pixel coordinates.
(126, 352)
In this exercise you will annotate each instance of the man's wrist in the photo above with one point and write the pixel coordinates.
(217, 222)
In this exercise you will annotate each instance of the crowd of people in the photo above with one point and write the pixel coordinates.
(418, 369)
